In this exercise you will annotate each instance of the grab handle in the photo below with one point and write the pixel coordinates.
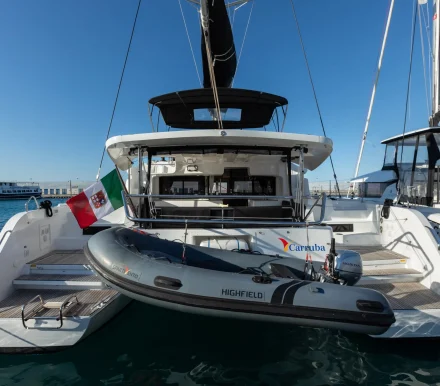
(167, 282)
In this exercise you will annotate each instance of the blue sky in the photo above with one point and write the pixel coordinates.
(61, 62)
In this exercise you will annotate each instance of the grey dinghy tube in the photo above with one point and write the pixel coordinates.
(229, 284)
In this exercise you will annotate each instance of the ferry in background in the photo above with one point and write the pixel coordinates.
(19, 190)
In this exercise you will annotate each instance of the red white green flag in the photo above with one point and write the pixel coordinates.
(97, 201)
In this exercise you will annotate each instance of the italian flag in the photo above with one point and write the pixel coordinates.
(97, 201)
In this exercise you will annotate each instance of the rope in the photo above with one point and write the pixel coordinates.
(314, 92)
(409, 81)
(190, 44)
(119, 87)
(424, 64)
(244, 39)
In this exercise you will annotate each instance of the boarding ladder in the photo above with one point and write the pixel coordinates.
(63, 307)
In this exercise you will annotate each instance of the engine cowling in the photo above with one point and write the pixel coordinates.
(348, 267)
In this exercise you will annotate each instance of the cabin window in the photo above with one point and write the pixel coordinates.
(373, 189)
(390, 152)
(405, 157)
(237, 181)
(182, 185)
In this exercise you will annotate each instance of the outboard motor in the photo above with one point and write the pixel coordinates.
(348, 267)
(344, 268)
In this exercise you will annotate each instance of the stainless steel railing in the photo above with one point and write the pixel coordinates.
(250, 221)
(28, 201)
(4, 235)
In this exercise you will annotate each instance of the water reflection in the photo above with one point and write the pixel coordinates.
(149, 346)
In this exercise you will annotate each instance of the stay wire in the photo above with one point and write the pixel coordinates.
(244, 40)
(119, 87)
(314, 91)
(409, 81)
(190, 44)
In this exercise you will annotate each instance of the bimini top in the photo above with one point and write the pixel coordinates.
(240, 109)
(123, 149)
(412, 134)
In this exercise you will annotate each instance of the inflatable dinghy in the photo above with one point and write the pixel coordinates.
(238, 284)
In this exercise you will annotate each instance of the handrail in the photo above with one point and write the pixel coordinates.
(28, 201)
(23, 320)
(222, 221)
(62, 306)
(4, 234)
(210, 196)
(41, 306)
(315, 203)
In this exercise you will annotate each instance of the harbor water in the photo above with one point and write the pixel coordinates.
(10, 207)
(145, 345)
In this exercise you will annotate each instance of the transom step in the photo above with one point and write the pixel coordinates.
(48, 281)
(61, 262)
(391, 275)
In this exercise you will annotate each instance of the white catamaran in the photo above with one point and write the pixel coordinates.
(226, 209)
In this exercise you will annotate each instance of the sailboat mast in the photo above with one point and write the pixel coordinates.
(373, 94)
(435, 118)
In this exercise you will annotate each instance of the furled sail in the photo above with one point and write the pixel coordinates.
(221, 42)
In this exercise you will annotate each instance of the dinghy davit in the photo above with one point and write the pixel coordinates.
(238, 284)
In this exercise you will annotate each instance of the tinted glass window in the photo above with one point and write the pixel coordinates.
(182, 185)
(389, 154)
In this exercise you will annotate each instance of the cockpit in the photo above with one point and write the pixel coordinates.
(415, 160)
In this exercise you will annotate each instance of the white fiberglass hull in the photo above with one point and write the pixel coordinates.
(43, 335)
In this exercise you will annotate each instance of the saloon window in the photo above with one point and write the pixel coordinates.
(182, 185)
(238, 181)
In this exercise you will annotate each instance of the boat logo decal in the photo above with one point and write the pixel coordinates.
(242, 293)
(98, 199)
(292, 246)
(126, 271)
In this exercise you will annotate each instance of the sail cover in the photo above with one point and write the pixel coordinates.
(222, 46)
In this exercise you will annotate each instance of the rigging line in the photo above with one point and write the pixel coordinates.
(213, 84)
(426, 25)
(314, 92)
(430, 54)
(244, 39)
(204, 21)
(119, 87)
(229, 11)
(217, 57)
(423, 59)
(190, 44)
(375, 84)
(409, 82)
(278, 120)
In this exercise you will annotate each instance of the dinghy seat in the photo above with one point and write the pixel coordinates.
(284, 271)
